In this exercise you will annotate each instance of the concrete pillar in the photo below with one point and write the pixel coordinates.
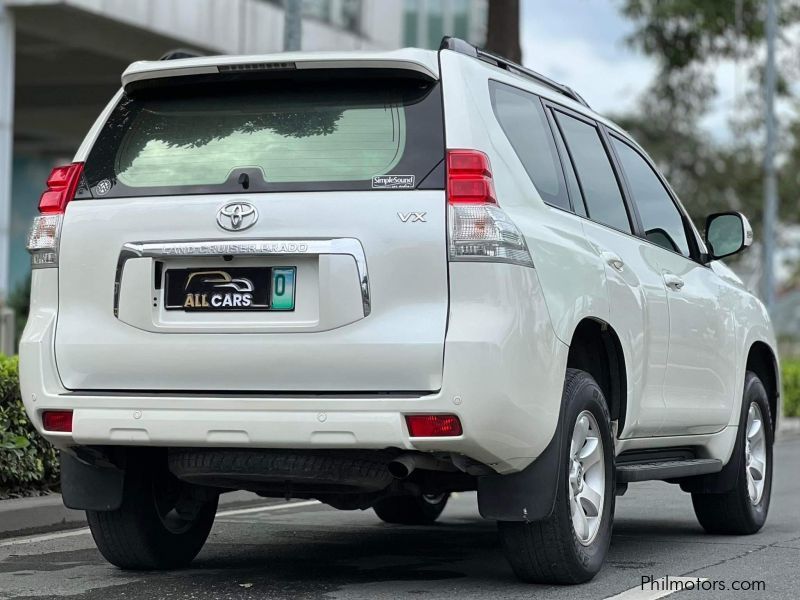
(6, 138)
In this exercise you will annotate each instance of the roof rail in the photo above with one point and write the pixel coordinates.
(179, 53)
(462, 47)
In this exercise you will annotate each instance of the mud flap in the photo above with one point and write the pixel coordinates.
(529, 495)
(88, 484)
(717, 483)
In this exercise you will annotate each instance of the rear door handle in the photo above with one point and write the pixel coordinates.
(614, 261)
(673, 281)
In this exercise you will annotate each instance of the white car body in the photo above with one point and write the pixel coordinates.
(403, 309)
(497, 348)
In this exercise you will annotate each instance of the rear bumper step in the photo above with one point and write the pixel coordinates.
(666, 469)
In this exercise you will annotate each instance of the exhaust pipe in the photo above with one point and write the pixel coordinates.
(405, 464)
(402, 466)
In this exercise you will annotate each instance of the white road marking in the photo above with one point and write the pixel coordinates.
(269, 507)
(45, 538)
(224, 513)
(659, 588)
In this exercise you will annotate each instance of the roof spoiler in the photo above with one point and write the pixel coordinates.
(213, 65)
(463, 47)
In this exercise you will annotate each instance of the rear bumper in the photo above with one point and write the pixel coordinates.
(503, 374)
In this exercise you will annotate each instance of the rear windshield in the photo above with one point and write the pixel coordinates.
(349, 133)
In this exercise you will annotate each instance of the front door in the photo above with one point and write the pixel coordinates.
(700, 376)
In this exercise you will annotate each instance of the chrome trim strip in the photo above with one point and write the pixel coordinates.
(268, 247)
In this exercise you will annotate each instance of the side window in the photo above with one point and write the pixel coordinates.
(598, 183)
(663, 224)
(573, 186)
(523, 120)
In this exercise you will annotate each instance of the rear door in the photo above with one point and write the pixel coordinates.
(637, 298)
(251, 233)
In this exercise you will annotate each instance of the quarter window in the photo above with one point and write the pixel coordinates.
(662, 222)
(523, 120)
(601, 192)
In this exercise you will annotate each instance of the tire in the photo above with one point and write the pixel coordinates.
(737, 512)
(552, 551)
(146, 532)
(411, 510)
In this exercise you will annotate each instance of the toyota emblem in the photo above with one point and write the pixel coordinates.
(237, 216)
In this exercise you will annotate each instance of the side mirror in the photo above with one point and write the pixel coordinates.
(727, 233)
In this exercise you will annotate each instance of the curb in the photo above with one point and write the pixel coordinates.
(48, 513)
(36, 513)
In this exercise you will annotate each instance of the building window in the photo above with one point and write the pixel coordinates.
(317, 9)
(350, 17)
(345, 14)
(426, 22)
(411, 23)
(461, 19)
(435, 24)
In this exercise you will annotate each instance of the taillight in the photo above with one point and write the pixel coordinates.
(433, 425)
(478, 229)
(46, 228)
(57, 420)
(61, 187)
(469, 178)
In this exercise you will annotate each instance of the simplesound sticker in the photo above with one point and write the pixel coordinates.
(393, 182)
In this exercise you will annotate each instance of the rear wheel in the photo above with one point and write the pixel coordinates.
(160, 524)
(571, 545)
(743, 510)
(411, 510)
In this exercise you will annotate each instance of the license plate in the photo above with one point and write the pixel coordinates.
(230, 289)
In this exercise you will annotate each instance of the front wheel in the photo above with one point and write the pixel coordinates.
(571, 545)
(160, 524)
(743, 509)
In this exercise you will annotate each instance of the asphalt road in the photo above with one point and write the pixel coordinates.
(311, 551)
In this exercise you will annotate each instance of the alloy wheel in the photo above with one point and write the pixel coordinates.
(755, 451)
(587, 478)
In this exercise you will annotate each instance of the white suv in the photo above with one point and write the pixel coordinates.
(375, 279)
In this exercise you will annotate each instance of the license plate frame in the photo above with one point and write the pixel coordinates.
(230, 289)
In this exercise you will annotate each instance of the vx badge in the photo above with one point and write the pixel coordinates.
(412, 217)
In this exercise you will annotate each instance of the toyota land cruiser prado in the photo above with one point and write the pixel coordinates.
(375, 279)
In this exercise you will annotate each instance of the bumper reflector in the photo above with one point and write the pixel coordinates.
(57, 420)
(433, 425)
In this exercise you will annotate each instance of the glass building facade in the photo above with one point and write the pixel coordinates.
(426, 22)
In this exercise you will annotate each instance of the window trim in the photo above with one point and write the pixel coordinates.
(558, 138)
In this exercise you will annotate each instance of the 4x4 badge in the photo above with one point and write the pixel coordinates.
(237, 216)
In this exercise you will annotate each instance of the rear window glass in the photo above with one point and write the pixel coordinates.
(356, 133)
